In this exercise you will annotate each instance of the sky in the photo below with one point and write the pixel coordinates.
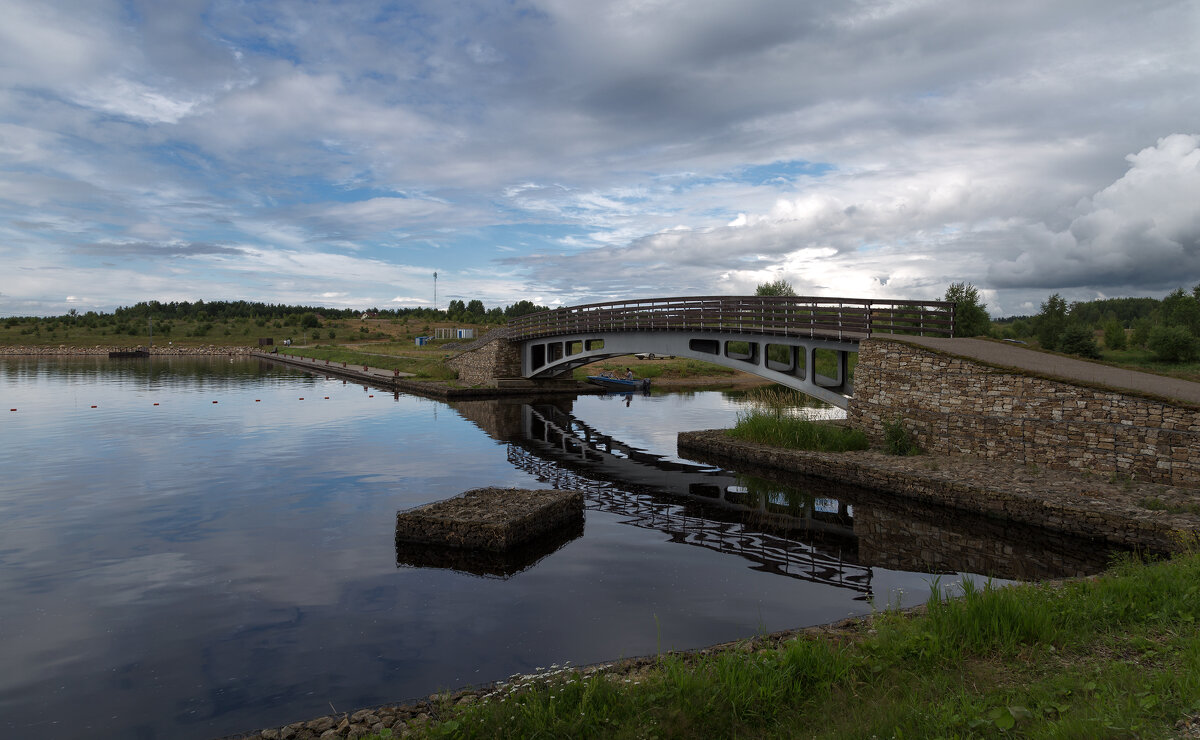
(340, 153)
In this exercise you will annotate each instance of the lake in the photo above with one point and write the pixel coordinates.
(191, 548)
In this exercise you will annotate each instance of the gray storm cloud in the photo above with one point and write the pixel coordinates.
(1142, 229)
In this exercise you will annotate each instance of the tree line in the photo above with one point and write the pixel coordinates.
(1169, 327)
(470, 312)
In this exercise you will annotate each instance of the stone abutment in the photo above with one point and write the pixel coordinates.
(953, 405)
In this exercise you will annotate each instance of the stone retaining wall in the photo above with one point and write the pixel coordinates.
(165, 350)
(957, 406)
(498, 358)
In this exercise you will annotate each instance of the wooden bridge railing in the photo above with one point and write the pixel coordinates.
(825, 318)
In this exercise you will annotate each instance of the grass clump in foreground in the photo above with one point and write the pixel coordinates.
(780, 430)
(1115, 656)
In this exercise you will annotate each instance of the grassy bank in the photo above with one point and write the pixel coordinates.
(429, 366)
(1114, 656)
(658, 369)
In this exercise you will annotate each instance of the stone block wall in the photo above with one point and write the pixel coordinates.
(958, 406)
(482, 365)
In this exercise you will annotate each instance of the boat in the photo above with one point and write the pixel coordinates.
(129, 353)
(619, 385)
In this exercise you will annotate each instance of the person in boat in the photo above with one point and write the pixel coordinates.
(628, 374)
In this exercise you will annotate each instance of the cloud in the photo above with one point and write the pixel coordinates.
(579, 151)
(149, 249)
(1144, 229)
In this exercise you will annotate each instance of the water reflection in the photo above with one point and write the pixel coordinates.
(178, 568)
(501, 565)
(791, 525)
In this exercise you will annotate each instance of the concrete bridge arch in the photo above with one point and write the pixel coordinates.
(789, 361)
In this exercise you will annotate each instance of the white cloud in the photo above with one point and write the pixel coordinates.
(956, 142)
(1142, 229)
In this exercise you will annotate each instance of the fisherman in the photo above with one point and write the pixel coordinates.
(628, 374)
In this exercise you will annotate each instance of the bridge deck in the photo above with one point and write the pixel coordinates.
(1008, 355)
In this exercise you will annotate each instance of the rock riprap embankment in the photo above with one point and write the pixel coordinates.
(104, 349)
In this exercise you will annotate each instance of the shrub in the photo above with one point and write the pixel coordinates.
(897, 440)
(1079, 340)
(1114, 335)
(1141, 332)
(1173, 344)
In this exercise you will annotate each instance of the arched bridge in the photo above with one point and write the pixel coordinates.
(800, 342)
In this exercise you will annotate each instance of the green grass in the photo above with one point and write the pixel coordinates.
(1117, 656)
(776, 398)
(1143, 359)
(395, 337)
(429, 367)
(779, 430)
(671, 369)
(897, 440)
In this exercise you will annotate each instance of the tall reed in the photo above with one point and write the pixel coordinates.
(775, 429)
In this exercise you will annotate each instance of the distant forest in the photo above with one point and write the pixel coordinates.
(1169, 328)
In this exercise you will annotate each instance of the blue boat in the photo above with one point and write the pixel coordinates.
(620, 385)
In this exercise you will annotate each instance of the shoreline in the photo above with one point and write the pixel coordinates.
(102, 350)
(404, 716)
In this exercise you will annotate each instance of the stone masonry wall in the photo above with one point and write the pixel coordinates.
(499, 358)
(957, 406)
(103, 350)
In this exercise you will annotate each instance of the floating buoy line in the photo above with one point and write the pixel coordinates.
(257, 400)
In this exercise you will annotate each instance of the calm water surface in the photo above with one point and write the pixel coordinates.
(192, 548)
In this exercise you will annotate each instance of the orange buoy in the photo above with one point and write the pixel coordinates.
(326, 398)
(258, 400)
(301, 398)
(93, 407)
(157, 404)
(214, 401)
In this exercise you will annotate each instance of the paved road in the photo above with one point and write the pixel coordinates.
(1005, 354)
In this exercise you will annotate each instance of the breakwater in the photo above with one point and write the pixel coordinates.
(396, 381)
(103, 350)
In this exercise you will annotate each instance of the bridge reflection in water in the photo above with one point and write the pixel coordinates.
(793, 526)
(691, 504)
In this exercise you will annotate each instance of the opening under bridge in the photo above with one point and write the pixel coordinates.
(801, 342)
